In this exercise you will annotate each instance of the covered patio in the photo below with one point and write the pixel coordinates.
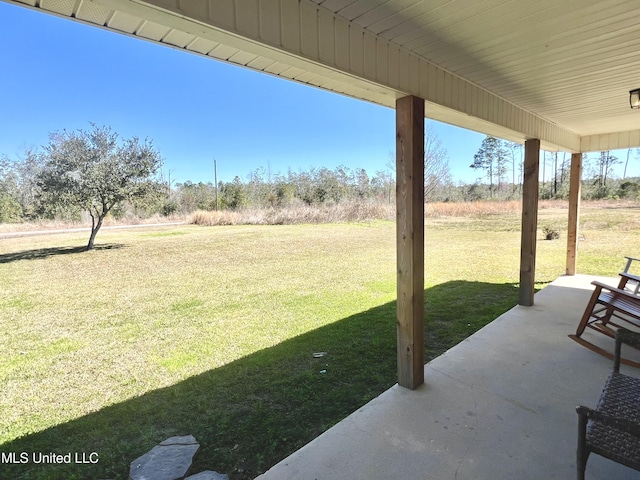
(547, 74)
(499, 405)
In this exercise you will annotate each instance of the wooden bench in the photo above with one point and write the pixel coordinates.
(610, 308)
(612, 429)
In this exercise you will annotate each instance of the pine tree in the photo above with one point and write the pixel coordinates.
(491, 157)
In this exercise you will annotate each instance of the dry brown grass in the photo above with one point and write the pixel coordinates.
(43, 225)
(339, 213)
(39, 225)
(469, 209)
(484, 208)
(356, 212)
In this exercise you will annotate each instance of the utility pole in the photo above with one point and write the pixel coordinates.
(169, 182)
(555, 174)
(624, 175)
(215, 179)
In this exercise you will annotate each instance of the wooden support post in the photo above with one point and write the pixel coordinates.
(410, 239)
(574, 212)
(529, 222)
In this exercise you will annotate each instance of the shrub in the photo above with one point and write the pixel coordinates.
(550, 233)
(10, 210)
(170, 207)
(629, 190)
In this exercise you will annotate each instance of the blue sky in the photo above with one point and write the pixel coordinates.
(59, 74)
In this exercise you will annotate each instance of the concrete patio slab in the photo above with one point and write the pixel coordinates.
(499, 405)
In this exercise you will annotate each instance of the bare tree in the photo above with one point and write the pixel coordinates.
(606, 163)
(513, 153)
(436, 164)
(626, 164)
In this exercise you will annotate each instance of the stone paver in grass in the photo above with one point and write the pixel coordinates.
(170, 460)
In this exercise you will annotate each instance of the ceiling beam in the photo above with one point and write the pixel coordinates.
(610, 141)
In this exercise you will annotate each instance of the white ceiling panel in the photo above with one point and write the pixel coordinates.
(124, 22)
(62, 7)
(260, 63)
(223, 52)
(177, 38)
(242, 58)
(93, 13)
(152, 30)
(201, 45)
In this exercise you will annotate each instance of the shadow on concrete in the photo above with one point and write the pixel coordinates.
(247, 415)
(40, 253)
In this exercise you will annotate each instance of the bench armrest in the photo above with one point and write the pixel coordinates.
(627, 336)
(622, 424)
(630, 260)
(603, 286)
(624, 336)
(625, 277)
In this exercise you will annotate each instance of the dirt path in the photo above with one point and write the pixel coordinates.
(30, 233)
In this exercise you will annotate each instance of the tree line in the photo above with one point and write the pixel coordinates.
(94, 173)
(502, 163)
(262, 189)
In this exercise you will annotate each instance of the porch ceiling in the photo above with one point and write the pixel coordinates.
(558, 71)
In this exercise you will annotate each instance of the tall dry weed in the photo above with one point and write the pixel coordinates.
(336, 213)
(485, 208)
(470, 209)
(361, 212)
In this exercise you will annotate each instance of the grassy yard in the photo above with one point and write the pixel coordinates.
(211, 331)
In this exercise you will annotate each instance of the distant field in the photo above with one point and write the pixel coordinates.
(211, 330)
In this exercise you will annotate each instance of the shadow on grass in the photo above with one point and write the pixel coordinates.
(40, 253)
(253, 412)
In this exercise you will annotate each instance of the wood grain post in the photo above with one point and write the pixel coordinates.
(529, 222)
(410, 239)
(575, 186)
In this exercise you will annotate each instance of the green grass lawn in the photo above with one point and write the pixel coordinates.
(211, 331)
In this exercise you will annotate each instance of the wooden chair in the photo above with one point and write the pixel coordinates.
(609, 309)
(612, 430)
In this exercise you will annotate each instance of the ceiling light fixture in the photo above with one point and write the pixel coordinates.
(634, 98)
